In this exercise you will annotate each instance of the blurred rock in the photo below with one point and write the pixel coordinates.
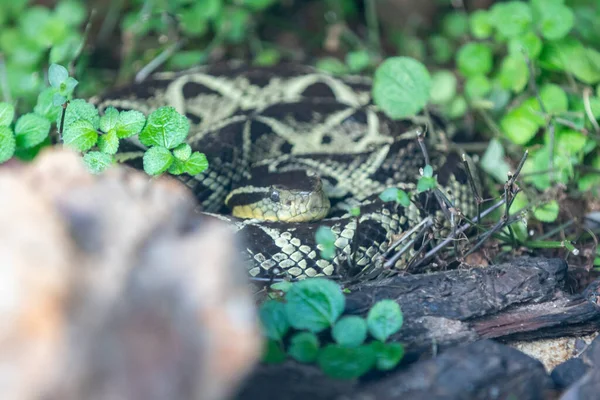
(115, 289)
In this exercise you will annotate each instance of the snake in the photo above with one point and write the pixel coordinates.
(291, 134)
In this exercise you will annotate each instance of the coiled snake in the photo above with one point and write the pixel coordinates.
(292, 120)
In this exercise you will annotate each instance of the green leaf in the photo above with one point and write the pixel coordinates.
(569, 141)
(456, 108)
(442, 49)
(474, 59)
(428, 171)
(109, 142)
(304, 347)
(354, 211)
(350, 331)
(511, 18)
(267, 57)
(518, 126)
(79, 109)
(325, 239)
(480, 23)
(554, 98)
(109, 120)
(455, 24)
(7, 114)
(177, 167)
(165, 127)
(31, 130)
(384, 319)
(554, 20)
(57, 74)
(80, 135)
(7, 144)
(530, 43)
(283, 286)
(157, 159)
(358, 61)
(45, 107)
(234, 24)
(568, 54)
(387, 355)
(97, 162)
(66, 51)
(28, 154)
(274, 352)
(130, 123)
(547, 212)
(341, 362)
(197, 163)
(477, 87)
(401, 87)
(514, 73)
(274, 319)
(493, 161)
(314, 304)
(71, 12)
(395, 194)
(67, 87)
(58, 99)
(332, 66)
(258, 5)
(182, 152)
(443, 86)
(424, 184)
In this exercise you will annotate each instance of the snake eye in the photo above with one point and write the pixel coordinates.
(275, 196)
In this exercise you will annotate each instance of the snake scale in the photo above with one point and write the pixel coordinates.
(252, 121)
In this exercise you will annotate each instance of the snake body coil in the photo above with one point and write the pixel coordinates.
(252, 122)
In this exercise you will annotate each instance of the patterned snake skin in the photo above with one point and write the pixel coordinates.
(250, 121)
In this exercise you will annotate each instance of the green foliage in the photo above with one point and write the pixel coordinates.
(401, 87)
(397, 195)
(325, 239)
(307, 308)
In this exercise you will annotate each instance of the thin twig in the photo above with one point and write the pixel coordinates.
(423, 226)
(372, 25)
(62, 120)
(158, 60)
(588, 109)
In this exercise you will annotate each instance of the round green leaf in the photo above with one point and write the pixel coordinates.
(547, 212)
(341, 362)
(425, 183)
(474, 59)
(177, 167)
(456, 108)
(97, 162)
(443, 87)
(109, 142)
(314, 304)
(569, 141)
(80, 135)
(555, 20)
(401, 87)
(477, 87)
(442, 49)
(7, 114)
(182, 152)
(518, 126)
(511, 18)
(267, 57)
(274, 319)
(350, 331)
(455, 24)
(395, 194)
(384, 319)
(332, 66)
(358, 60)
(493, 161)
(428, 171)
(79, 109)
(7, 144)
(388, 355)
(304, 347)
(514, 73)
(197, 163)
(31, 130)
(165, 127)
(57, 74)
(157, 160)
(480, 23)
(109, 120)
(554, 98)
(130, 123)
(529, 42)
